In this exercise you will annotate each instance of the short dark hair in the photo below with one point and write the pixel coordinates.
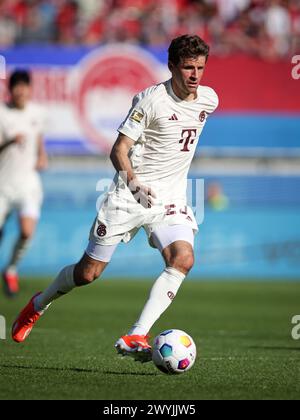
(19, 76)
(187, 46)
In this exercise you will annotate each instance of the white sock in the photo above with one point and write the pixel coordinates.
(161, 296)
(19, 250)
(62, 285)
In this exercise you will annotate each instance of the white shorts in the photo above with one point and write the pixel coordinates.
(119, 222)
(27, 201)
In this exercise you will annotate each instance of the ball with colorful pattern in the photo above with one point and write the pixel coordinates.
(174, 352)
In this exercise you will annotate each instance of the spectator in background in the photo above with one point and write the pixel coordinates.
(8, 23)
(278, 27)
(91, 8)
(8, 31)
(67, 21)
(228, 10)
(295, 17)
(34, 25)
(216, 198)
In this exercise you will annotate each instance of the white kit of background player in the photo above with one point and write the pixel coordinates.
(22, 156)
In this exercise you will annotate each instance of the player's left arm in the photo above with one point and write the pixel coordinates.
(42, 157)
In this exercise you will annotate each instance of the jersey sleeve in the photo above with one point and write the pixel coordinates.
(213, 102)
(138, 118)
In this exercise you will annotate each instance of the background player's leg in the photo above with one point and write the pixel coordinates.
(2, 224)
(179, 258)
(2, 231)
(4, 216)
(10, 275)
(27, 229)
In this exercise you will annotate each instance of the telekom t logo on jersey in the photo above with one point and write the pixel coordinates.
(188, 136)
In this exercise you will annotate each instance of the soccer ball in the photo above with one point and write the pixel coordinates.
(174, 352)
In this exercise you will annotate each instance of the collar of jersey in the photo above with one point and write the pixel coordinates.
(175, 97)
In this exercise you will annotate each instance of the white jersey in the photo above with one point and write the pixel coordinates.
(166, 130)
(18, 162)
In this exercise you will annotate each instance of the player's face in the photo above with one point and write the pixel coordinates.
(187, 75)
(20, 94)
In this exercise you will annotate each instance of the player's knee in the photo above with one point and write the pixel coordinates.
(26, 235)
(89, 277)
(183, 261)
(27, 231)
(85, 275)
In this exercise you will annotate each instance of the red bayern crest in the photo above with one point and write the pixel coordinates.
(202, 116)
(101, 230)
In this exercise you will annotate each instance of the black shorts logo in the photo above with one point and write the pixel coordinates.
(101, 230)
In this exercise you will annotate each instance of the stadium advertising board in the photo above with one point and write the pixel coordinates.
(87, 99)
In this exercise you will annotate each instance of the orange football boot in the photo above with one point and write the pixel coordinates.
(25, 322)
(136, 346)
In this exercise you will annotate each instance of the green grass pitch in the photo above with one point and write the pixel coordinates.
(242, 331)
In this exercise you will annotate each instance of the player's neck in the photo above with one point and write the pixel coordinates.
(181, 94)
(17, 106)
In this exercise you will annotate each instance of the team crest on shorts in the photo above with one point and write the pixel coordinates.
(202, 116)
(171, 295)
(101, 230)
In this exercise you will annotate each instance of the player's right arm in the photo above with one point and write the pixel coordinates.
(7, 138)
(120, 159)
(19, 139)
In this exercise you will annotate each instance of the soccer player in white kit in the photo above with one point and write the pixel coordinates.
(152, 156)
(22, 155)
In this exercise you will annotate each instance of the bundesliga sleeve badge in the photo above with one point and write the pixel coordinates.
(136, 116)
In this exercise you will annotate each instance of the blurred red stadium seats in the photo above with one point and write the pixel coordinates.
(264, 28)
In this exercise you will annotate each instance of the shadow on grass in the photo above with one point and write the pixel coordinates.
(77, 370)
(275, 348)
(131, 373)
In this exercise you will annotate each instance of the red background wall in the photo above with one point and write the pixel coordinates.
(249, 84)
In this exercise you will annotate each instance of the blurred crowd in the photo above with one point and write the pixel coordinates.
(267, 28)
